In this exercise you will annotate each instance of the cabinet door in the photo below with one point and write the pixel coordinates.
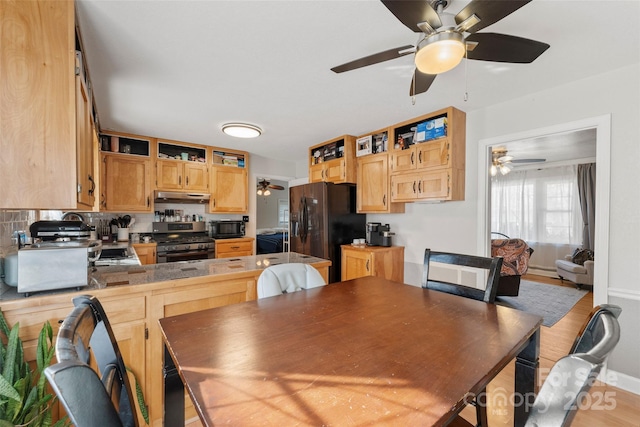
(316, 173)
(37, 105)
(433, 154)
(434, 185)
(84, 146)
(146, 253)
(169, 174)
(335, 171)
(196, 177)
(404, 187)
(229, 189)
(356, 263)
(126, 183)
(230, 249)
(373, 183)
(403, 160)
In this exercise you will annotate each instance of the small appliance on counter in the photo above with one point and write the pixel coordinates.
(378, 234)
(58, 258)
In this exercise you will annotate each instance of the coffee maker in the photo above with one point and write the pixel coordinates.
(378, 234)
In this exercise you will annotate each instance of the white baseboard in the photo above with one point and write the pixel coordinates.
(622, 381)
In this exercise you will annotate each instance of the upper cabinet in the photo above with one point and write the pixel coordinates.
(126, 171)
(428, 157)
(333, 161)
(181, 167)
(229, 181)
(374, 190)
(38, 107)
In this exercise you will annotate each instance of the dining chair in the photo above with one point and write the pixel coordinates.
(572, 376)
(91, 397)
(285, 278)
(491, 265)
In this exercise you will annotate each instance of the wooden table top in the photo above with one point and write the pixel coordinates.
(364, 351)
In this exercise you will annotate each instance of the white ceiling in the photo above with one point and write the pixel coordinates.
(180, 69)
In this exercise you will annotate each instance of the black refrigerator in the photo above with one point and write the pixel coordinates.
(323, 217)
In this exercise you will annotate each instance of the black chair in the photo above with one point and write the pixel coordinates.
(90, 397)
(491, 265)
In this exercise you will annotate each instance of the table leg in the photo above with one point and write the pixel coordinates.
(173, 415)
(526, 379)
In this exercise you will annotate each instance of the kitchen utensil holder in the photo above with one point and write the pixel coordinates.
(123, 234)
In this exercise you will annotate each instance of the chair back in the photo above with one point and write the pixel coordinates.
(572, 376)
(595, 337)
(285, 278)
(91, 397)
(491, 265)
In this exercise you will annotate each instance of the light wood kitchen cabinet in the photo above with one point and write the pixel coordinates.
(333, 161)
(186, 168)
(125, 183)
(86, 144)
(373, 192)
(146, 252)
(179, 175)
(229, 189)
(229, 248)
(38, 114)
(361, 261)
(433, 169)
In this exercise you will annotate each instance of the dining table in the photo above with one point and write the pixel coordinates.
(358, 352)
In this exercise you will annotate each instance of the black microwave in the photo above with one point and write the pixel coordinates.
(226, 229)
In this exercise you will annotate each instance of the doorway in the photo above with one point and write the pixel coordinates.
(602, 126)
(272, 216)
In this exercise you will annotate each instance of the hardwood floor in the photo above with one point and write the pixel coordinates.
(610, 406)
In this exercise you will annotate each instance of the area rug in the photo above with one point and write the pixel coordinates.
(548, 301)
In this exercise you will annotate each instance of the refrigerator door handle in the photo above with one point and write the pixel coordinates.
(305, 221)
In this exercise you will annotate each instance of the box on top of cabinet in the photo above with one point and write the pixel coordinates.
(431, 129)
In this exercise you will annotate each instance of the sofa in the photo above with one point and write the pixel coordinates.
(515, 255)
(580, 274)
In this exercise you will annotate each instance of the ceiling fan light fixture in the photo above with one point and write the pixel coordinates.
(440, 52)
(241, 130)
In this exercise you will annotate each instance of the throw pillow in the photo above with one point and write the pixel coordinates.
(581, 255)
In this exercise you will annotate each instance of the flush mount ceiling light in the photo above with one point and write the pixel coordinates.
(241, 130)
(440, 52)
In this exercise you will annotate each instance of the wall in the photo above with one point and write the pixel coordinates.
(453, 226)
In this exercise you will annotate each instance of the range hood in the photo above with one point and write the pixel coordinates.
(177, 197)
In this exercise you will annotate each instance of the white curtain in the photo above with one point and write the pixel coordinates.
(541, 207)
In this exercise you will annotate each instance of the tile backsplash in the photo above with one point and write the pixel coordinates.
(10, 222)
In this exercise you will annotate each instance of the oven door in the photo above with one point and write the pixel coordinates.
(188, 255)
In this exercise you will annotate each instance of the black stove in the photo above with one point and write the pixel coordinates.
(182, 241)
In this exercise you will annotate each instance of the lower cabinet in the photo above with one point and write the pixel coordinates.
(229, 248)
(146, 252)
(361, 261)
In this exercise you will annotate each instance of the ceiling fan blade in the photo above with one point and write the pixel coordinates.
(489, 11)
(374, 59)
(411, 13)
(276, 187)
(528, 160)
(420, 82)
(504, 48)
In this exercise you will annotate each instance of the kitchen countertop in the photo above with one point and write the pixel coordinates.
(110, 276)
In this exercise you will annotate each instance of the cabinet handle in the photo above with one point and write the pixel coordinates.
(412, 156)
(420, 157)
(214, 203)
(235, 247)
(187, 181)
(414, 186)
(384, 200)
(93, 185)
(148, 202)
(179, 180)
(420, 186)
(367, 265)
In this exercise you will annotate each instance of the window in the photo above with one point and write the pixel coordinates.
(538, 205)
(283, 212)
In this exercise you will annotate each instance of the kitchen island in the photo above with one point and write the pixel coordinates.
(135, 298)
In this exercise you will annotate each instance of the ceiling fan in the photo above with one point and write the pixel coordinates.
(264, 185)
(501, 162)
(442, 42)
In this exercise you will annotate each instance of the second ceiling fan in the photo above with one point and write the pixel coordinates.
(442, 42)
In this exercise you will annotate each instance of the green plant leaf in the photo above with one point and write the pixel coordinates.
(12, 345)
(4, 328)
(7, 390)
(144, 409)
